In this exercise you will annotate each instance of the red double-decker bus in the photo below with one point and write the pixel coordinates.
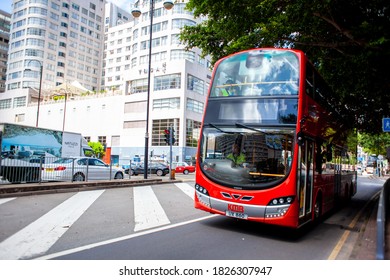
(273, 148)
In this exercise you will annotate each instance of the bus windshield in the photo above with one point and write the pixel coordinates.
(257, 73)
(248, 157)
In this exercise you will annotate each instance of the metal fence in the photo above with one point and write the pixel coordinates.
(42, 169)
(384, 200)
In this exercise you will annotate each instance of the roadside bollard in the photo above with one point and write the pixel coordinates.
(173, 171)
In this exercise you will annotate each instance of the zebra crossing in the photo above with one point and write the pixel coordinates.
(41, 234)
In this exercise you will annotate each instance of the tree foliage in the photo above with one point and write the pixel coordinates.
(97, 149)
(374, 144)
(348, 42)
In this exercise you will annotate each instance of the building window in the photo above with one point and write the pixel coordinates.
(192, 133)
(167, 82)
(134, 124)
(182, 54)
(195, 84)
(137, 86)
(195, 106)
(166, 103)
(158, 127)
(19, 101)
(135, 107)
(102, 140)
(5, 103)
(19, 117)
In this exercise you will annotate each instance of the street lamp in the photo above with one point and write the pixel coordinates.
(136, 12)
(40, 85)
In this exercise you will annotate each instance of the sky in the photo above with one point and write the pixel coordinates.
(5, 5)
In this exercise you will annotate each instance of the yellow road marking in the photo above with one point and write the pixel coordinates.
(340, 244)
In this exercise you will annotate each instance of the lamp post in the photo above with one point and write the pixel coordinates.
(40, 85)
(136, 13)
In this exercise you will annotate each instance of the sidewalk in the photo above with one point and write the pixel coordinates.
(366, 245)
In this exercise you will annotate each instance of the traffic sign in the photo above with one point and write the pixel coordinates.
(386, 124)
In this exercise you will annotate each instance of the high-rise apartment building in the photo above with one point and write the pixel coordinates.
(5, 21)
(178, 82)
(115, 115)
(64, 36)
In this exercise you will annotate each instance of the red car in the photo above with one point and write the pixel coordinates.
(183, 167)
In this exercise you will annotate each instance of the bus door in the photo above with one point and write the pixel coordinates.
(337, 179)
(305, 180)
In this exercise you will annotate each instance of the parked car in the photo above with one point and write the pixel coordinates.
(183, 167)
(153, 167)
(79, 169)
(126, 166)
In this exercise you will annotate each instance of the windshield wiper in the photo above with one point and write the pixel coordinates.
(219, 129)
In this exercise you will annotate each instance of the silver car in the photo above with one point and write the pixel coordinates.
(79, 169)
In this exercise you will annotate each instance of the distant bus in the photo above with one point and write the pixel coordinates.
(273, 148)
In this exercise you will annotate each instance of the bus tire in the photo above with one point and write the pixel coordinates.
(317, 209)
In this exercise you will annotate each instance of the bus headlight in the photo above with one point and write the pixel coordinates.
(202, 195)
(278, 207)
(201, 189)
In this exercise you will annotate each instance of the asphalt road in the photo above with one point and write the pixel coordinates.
(159, 223)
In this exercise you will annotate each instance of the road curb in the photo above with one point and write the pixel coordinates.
(15, 190)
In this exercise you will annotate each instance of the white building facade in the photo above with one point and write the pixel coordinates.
(115, 115)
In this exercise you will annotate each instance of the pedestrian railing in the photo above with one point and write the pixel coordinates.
(381, 221)
(42, 169)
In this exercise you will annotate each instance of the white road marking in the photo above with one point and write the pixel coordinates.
(40, 235)
(5, 200)
(186, 188)
(123, 238)
(148, 212)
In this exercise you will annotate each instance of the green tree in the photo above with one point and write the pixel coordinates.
(97, 149)
(374, 144)
(348, 42)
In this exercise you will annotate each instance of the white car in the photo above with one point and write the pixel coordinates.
(79, 169)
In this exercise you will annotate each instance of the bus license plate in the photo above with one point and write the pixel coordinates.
(236, 215)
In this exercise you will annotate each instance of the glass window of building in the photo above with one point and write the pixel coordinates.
(158, 126)
(166, 82)
(192, 133)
